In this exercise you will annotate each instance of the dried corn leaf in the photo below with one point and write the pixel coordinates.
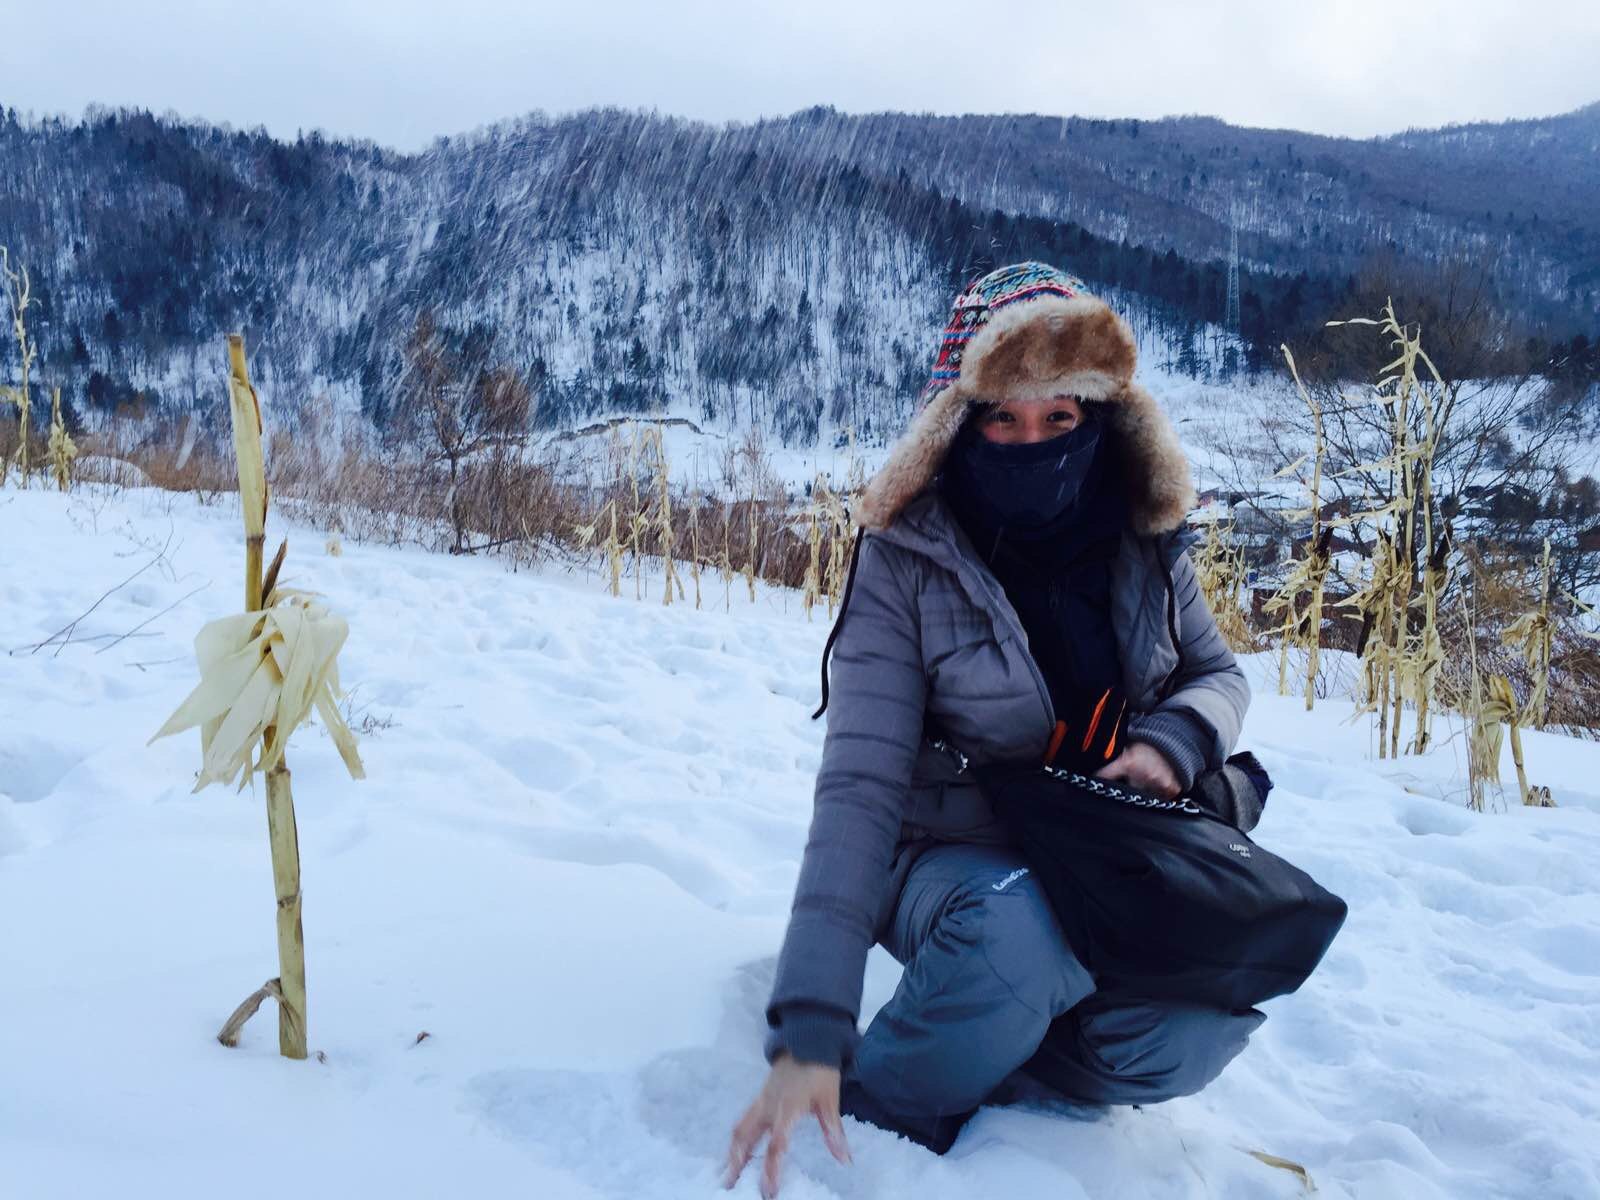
(1367, 468)
(1587, 611)
(1284, 1164)
(1289, 471)
(261, 673)
(246, 411)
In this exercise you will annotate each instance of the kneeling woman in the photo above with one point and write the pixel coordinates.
(1022, 566)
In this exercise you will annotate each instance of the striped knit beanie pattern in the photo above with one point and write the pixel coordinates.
(972, 309)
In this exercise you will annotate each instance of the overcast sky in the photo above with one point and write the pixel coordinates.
(404, 71)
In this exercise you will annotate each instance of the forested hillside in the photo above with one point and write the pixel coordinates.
(787, 274)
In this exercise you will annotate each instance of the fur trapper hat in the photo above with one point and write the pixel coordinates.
(1029, 331)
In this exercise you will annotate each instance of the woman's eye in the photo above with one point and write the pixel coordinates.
(1000, 418)
(1062, 416)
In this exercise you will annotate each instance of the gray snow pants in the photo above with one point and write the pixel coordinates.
(994, 1005)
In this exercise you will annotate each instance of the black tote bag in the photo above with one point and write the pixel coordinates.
(1160, 898)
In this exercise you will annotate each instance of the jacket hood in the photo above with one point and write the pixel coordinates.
(1030, 332)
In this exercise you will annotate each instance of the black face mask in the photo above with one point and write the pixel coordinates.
(1026, 490)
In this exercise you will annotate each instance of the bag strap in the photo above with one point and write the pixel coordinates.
(1102, 787)
(838, 622)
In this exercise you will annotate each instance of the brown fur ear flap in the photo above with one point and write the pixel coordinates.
(1160, 486)
(914, 461)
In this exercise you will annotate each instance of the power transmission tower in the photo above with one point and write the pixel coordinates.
(1232, 319)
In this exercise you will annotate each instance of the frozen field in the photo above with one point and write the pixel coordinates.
(570, 866)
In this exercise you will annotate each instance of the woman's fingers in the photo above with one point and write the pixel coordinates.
(827, 1111)
(1144, 768)
(777, 1147)
(1117, 768)
(792, 1090)
(746, 1136)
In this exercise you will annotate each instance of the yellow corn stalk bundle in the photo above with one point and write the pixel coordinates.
(1375, 603)
(612, 545)
(754, 551)
(845, 531)
(1495, 710)
(841, 535)
(694, 546)
(1300, 627)
(665, 534)
(1427, 647)
(638, 522)
(261, 673)
(811, 586)
(1534, 634)
(1220, 571)
(62, 448)
(855, 475)
(1401, 642)
(725, 563)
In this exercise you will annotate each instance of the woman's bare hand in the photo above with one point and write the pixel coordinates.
(792, 1090)
(1144, 767)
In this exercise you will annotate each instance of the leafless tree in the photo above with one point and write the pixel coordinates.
(1504, 468)
(454, 415)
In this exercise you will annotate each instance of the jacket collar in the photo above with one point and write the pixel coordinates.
(1140, 591)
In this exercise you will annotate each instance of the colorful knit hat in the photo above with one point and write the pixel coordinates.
(1030, 331)
(984, 296)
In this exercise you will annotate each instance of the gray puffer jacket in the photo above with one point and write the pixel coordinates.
(929, 647)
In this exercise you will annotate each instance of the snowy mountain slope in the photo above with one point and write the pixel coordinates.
(790, 275)
(570, 865)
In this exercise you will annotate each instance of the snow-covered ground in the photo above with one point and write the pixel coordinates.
(570, 866)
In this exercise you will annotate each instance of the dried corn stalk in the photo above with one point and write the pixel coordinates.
(1220, 571)
(811, 586)
(1483, 731)
(668, 540)
(1375, 603)
(261, 673)
(694, 547)
(1400, 638)
(725, 566)
(637, 523)
(1497, 710)
(18, 291)
(855, 476)
(1493, 706)
(1534, 634)
(612, 545)
(1311, 577)
(1301, 627)
(840, 536)
(1427, 645)
(750, 558)
(62, 448)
